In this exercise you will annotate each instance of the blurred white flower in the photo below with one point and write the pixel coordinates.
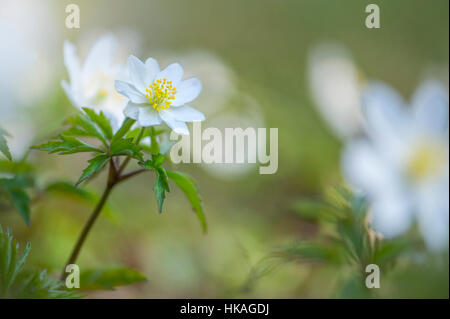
(403, 165)
(336, 88)
(156, 96)
(25, 75)
(92, 84)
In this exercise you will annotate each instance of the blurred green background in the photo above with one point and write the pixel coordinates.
(262, 49)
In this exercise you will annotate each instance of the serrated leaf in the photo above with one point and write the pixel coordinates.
(155, 162)
(11, 261)
(126, 125)
(67, 145)
(160, 187)
(190, 189)
(15, 282)
(125, 147)
(95, 165)
(4, 149)
(14, 190)
(109, 278)
(86, 127)
(101, 120)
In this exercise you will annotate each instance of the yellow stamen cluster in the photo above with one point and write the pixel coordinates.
(160, 94)
(426, 161)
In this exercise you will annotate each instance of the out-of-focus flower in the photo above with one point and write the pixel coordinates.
(336, 88)
(156, 96)
(403, 165)
(25, 75)
(92, 84)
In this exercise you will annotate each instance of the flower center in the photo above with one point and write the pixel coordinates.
(160, 94)
(426, 161)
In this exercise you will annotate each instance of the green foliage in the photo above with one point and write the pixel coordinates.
(3, 146)
(14, 168)
(161, 186)
(95, 165)
(189, 188)
(11, 261)
(102, 122)
(109, 278)
(14, 191)
(123, 130)
(15, 282)
(125, 147)
(162, 183)
(67, 145)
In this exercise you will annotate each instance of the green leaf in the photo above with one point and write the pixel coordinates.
(161, 186)
(17, 283)
(3, 146)
(67, 145)
(11, 261)
(189, 188)
(125, 147)
(7, 166)
(155, 162)
(14, 190)
(109, 278)
(95, 165)
(101, 120)
(86, 127)
(126, 125)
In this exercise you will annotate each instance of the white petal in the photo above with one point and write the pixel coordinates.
(387, 121)
(137, 73)
(100, 56)
(132, 110)
(177, 126)
(148, 117)
(184, 113)
(363, 168)
(74, 99)
(173, 72)
(71, 61)
(130, 92)
(430, 107)
(152, 67)
(391, 213)
(188, 90)
(383, 109)
(433, 216)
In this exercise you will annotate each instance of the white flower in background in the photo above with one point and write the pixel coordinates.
(403, 165)
(25, 72)
(156, 96)
(336, 88)
(92, 83)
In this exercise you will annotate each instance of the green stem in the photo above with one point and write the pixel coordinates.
(96, 212)
(125, 162)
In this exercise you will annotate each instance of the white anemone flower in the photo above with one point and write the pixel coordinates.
(336, 84)
(403, 165)
(156, 96)
(92, 84)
